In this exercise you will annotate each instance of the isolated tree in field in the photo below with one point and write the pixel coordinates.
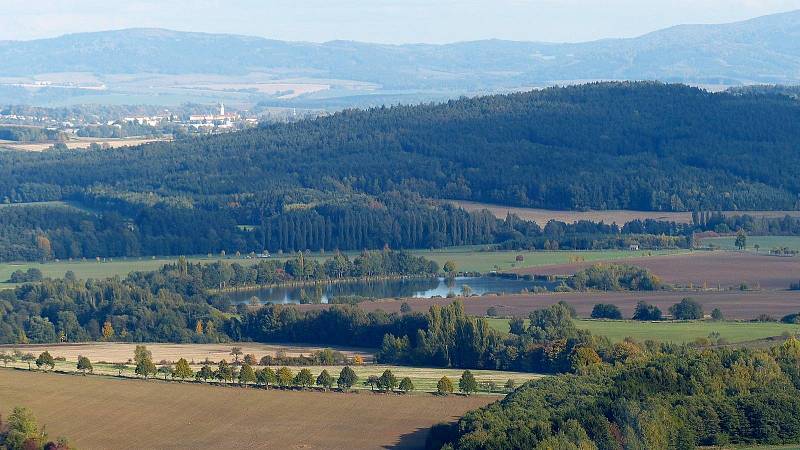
(405, 308)
(119, 367)
(285, 377)
(84, 365)
(687, 309)
(492, 311)
(144, 362)
(250, 359)
(741, 240)
(406, 385)
(646, 312)
(182, 369)
(45, 360)
(224, 371)
(165, 370)
(372, 381)
(606, 311)
(247, 375)
(467, 383)
(510, 385)
(358, 360)
(450, 268)
(717, 315)
(205, 373)
(266, 377)
(444, 386)
(236, 352)
(347, 378)
(28, 358)
(304, 379)
(6, 358)
(108, 330)
(325, 380)
(387, 381)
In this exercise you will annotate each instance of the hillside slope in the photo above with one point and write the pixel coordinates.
(642, 146)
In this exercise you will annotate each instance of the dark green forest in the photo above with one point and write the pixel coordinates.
(360, 178)
(672, 398)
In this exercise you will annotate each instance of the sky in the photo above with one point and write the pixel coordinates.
(385, 21)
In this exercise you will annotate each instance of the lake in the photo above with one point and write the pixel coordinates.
(415, 288)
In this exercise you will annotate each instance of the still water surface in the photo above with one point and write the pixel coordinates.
(416, 288)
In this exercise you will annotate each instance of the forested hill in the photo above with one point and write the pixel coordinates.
(643, 146)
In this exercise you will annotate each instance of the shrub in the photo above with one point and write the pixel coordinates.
(606, 311)
(646, 312)
(687, 309)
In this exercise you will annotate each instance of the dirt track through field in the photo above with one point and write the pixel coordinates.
(706, 268)
(109, 413)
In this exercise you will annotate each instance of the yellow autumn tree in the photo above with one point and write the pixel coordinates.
(108, 330)
(43, 244)
(358, 360)
(198, 327)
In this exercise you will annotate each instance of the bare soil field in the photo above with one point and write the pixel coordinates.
(736, 305)
(105, 412)
(709, 269)
(79, 144)
(542, 216)
(118, 352)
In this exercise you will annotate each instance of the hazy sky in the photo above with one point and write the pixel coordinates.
(391, 21)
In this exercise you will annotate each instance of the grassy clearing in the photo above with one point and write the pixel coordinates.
(466, 258)
(108, 412)
(765, 243)
(474, 260)
(679, 332)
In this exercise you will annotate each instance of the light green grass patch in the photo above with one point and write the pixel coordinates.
(471, 259)
(678, 332)
(765, 243)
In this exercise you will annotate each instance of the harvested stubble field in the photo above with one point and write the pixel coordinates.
(118, 352)
(542, 216)
(709, 269)
(106, 412)
(736, 305)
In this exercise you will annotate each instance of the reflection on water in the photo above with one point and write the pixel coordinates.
(418, 288)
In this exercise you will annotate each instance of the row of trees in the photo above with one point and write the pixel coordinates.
(687, 309)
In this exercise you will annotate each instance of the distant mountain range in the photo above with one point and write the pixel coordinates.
(764, 50)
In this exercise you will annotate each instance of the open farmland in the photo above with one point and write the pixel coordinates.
(709, 269)
(118, 352)
(620, 217)
(765, 243)
(736, 305)
(107, 412)
(82, 143)
(105, 355)
(679, 332)
(466, 258)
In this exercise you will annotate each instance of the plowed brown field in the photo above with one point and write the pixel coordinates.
(710, 268)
